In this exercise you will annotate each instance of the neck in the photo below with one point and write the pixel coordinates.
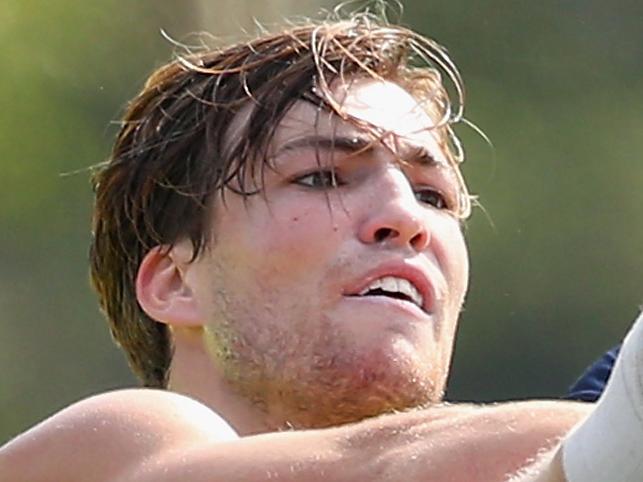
(195, 374)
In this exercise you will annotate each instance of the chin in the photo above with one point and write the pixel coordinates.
(337, 378)
(344, 407)
(364, 386)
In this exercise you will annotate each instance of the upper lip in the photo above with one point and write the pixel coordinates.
(417, 276)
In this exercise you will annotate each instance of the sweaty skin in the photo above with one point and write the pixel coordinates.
(275, 292)
(269, 334)
(158, 436)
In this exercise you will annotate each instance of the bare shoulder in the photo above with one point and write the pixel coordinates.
(98, 437)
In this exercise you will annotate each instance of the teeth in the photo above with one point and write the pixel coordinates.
(393, 284)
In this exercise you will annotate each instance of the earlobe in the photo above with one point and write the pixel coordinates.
(162, 289)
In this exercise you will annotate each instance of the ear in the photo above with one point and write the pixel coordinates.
(162, 289)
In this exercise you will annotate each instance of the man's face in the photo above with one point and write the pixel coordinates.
(326, 304)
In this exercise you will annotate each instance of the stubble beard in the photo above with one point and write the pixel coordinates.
(319, 381)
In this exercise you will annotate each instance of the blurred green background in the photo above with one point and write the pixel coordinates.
(556, 260)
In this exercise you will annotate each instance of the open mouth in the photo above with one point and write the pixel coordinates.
(389, 294)
(393, 287)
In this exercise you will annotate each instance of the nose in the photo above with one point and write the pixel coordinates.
(394, 216)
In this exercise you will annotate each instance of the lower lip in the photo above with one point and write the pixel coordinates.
(385, 302)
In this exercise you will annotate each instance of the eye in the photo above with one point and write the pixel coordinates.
(321, 179)
(432, 197)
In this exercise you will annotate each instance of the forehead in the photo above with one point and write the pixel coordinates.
(382, 106)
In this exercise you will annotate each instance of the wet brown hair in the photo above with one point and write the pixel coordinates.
(172, 153)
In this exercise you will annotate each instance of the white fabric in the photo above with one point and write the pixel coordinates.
(608, 445)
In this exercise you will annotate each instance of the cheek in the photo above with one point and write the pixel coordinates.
(453, 257)
(462, 261)
(284, 241)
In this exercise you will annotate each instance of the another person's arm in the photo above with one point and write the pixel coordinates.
(591, 384)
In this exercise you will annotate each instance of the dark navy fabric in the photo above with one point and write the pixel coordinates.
(592, 383)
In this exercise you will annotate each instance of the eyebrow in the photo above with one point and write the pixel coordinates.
(357, 144)
(349, 144)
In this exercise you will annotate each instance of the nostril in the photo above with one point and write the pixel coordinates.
(418, 241)
(383, 234)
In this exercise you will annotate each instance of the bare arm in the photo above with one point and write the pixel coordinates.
(140, 436)
(548, 469)
(456, 443)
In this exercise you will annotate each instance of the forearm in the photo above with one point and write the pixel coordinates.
(351, 453)
(454, 443)
(549, 468)
(285, 457)
(468, 443)
(116, 437)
